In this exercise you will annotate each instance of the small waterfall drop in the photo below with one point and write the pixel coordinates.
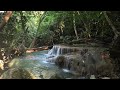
(61, 50)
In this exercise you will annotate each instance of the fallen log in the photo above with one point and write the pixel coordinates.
(30, 50)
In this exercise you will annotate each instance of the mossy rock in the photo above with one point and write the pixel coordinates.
(60, 61)
(16, 73)
(45, 74)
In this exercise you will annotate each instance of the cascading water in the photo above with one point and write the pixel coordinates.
(77, 59)
(74, 62)
(61, 50)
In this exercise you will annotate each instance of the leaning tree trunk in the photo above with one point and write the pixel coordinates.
(112, 26)
(75, 26)
(115, 47)
(5, 19)
(85, 25)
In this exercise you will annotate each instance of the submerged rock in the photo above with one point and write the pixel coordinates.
(16, 73)
(30, 69)
(49, 75)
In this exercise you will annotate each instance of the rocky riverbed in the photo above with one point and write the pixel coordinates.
(62, 63)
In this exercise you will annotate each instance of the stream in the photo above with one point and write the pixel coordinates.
(35, 63)
(47, 64)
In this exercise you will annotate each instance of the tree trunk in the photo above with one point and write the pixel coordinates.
(23, 27)
(75, 26)
(61, 27)
(87, 30)
(40, 21)
(85, 25)
(111, 24)
(115, 39)
(33, 43)
(115, 47)
(5, 19)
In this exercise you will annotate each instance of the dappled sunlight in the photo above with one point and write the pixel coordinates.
(59, 44)
(12, 63)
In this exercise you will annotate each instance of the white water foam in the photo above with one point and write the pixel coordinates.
(66, 70)
(45, 61)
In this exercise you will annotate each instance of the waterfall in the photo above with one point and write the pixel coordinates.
(80, 60)
(61, 50)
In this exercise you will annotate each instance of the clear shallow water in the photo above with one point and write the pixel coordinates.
(37, 60)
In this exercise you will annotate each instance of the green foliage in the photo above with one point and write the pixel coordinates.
(54, 27)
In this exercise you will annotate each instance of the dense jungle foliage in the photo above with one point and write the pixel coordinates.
(38, 28)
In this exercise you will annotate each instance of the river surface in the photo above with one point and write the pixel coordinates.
(36, 63)
(41, 65)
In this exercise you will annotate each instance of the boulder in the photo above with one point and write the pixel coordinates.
(92, 77)
(17, 73)
(60, 61)
(45, 74)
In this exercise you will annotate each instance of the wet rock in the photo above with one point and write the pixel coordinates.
(49, 75)
(105, 69)
(92, 77)
(88, 62)
(16, 73)
(60, 61)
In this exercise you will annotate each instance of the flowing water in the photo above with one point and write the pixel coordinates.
(40, 66)
(36, 63)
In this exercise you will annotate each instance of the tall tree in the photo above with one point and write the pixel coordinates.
(40, 21)
(85, 24)
(111, 24)
(74, 23)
